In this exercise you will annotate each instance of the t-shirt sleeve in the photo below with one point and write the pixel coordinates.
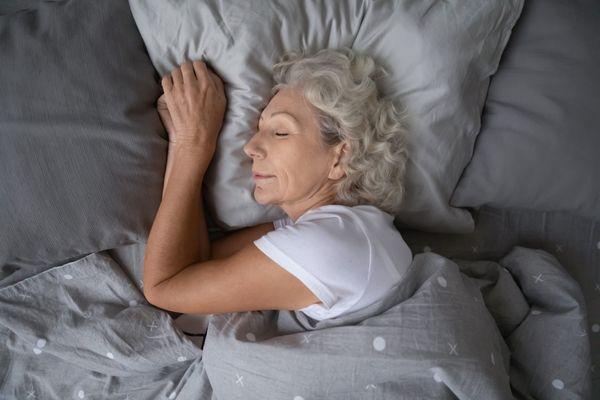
(327, 252)
(281, 222)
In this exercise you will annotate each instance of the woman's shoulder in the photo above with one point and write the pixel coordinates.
(345, 225)
(330, 224)
(350, 224)
(366, 223)
(358, 213)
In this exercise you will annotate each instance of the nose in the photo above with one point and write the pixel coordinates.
(252, 148)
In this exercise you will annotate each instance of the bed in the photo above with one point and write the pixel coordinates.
(502, 299)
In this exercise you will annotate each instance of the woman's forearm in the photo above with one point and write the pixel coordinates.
(179, 236)
(168, 169)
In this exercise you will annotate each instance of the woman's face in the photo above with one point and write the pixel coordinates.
(288, 148)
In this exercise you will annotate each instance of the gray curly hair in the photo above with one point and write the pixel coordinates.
(340, 85)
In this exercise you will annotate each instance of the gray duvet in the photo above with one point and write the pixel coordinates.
(452, 329)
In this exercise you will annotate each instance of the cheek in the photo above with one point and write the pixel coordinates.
(297, 167)
(304, 175)
(294, 173)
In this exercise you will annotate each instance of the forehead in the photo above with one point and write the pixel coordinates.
(288, 100)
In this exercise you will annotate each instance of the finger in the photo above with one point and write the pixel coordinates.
(218, 82)
(211, 75)
(201, 70)
(161, 102)
(177, 77)
(167, 83)
(187, 71)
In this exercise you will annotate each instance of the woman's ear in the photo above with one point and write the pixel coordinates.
(341, 155)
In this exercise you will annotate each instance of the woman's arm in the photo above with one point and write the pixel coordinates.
(179, 236)
(236, 240)
(246, 280)
(165, 116)
(168, 169)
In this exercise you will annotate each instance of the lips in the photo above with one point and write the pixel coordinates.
(260, 176)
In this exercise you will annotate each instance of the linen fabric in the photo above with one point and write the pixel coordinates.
(450, 330)
(538, 147)
(82, 148)
(440, 55)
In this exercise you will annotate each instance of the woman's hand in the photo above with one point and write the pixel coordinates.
(165, 115)
(195, 99)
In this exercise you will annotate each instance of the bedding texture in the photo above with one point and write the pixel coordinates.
(538, 146)
(82, 148)
(452, 329)
(11, 6)
(572, 239)
(439, 55)
(82, 157)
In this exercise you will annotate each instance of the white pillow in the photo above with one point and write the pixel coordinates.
(440, 55)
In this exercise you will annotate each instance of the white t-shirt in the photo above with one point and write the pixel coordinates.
(349, 257)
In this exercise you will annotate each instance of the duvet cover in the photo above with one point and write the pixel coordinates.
(451, 329)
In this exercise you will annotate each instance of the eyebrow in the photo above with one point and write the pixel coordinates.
(284, 113)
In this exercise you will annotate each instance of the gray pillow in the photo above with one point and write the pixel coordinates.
(11, 6)
(540, 140)
(82, 148)
(440, 55)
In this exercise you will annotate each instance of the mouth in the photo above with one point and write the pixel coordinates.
(259, 176)
(256, 176)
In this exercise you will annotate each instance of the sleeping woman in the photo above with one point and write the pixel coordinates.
(327, 150)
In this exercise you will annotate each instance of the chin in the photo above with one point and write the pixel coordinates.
(260, 199)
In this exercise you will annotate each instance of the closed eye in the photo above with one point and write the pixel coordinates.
(280, 134)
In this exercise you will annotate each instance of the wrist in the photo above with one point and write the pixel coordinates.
(193, 148)
(190, 159)
(196, 147)
(193, 138)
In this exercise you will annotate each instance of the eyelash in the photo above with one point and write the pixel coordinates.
(280, 134)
